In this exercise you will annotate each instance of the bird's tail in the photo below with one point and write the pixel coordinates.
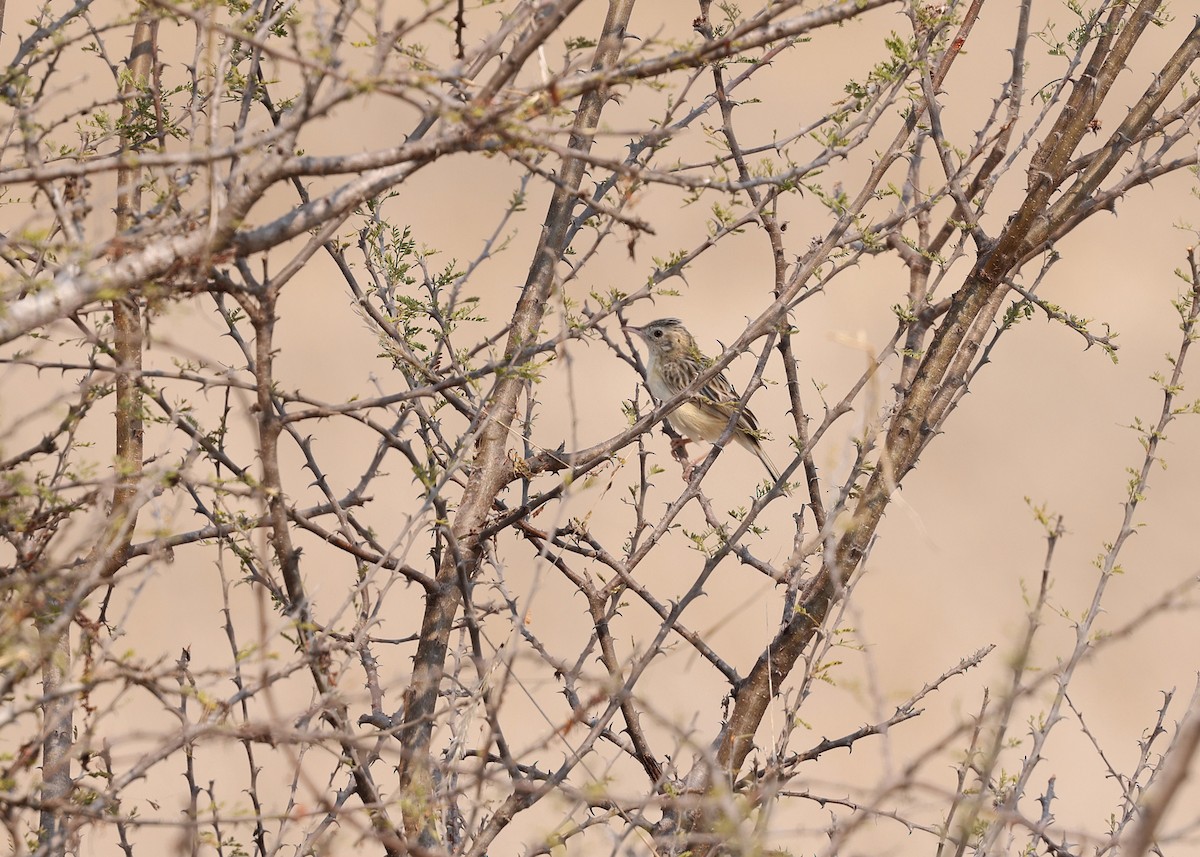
(768, 463)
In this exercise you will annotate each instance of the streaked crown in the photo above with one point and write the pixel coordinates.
(665, 335)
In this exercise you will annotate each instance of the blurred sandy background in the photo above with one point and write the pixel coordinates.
(1047, 420)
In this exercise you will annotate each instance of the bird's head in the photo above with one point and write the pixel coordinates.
(665, 336)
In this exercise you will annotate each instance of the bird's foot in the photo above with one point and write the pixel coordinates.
(690, 465)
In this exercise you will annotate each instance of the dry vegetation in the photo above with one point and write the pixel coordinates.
(171, 172)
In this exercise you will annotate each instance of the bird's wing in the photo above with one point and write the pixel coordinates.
(720, 394)
(719, 391)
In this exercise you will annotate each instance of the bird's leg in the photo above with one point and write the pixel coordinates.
(679, 452)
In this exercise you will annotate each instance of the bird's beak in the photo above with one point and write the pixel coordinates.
(631, 329)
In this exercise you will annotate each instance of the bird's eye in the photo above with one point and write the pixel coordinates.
(658, 334)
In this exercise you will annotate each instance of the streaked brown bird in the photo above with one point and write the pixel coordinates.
(674, 362)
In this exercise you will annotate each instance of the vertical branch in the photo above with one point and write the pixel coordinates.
(263, 315)
(490, 470)
(58, 724)
(127, 316)
(55, 638)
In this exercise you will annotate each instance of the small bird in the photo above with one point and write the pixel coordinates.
(674, 362)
